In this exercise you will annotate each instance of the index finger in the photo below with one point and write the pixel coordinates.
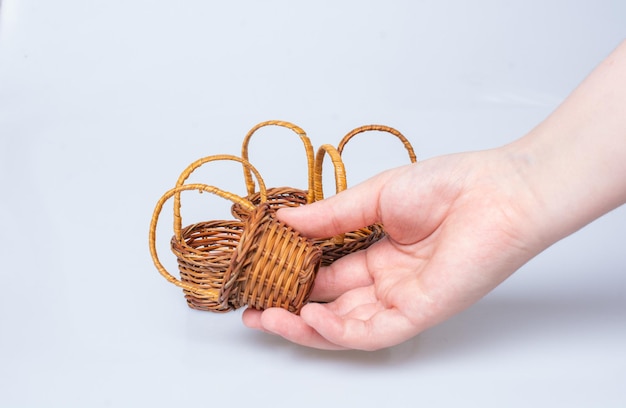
(349, 210)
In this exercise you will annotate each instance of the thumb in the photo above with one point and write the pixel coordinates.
(346, 211)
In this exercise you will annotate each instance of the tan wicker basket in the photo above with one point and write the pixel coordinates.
(215, 240)
(274, 266)
(343, 244)
(259, 262)
(278, 196)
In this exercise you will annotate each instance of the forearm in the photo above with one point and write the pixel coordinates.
(575, 161)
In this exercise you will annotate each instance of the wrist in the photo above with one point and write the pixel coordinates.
(574, 163)
(570, 179)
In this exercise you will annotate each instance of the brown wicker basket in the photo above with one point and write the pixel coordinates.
(339, 246)
(274, 266)
(259, 262)
(215, 240)
(278, 196)
(343, 244)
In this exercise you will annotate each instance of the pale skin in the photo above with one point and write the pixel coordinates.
(458, 225)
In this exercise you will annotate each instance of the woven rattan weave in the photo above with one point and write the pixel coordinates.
(273, 267)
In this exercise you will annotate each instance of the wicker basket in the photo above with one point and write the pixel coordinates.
(259, 262)
(215, 240)
(343, 244)
(274, 266)
(278, 196)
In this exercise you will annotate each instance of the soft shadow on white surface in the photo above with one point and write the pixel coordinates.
(497, 324)
(506, 323)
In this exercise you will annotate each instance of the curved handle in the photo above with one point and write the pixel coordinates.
(382, 128)
(193, 166)
(340, 170)
(212, 293)
(340, 177)
(307, 146)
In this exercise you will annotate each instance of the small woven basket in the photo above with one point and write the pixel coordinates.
(213, 242)
(273, 266)
(278, 196)
(259, 262)
(343, 244)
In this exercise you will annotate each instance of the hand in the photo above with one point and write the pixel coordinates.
(456, 227)
(459, 225)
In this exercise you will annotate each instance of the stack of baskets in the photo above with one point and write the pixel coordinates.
(255, 260)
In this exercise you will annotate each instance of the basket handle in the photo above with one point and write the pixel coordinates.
(307, 146)
(340, 177)
(193, 166)
(212, 293)
(382, 128)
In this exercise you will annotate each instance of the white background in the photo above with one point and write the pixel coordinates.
(103, 103)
